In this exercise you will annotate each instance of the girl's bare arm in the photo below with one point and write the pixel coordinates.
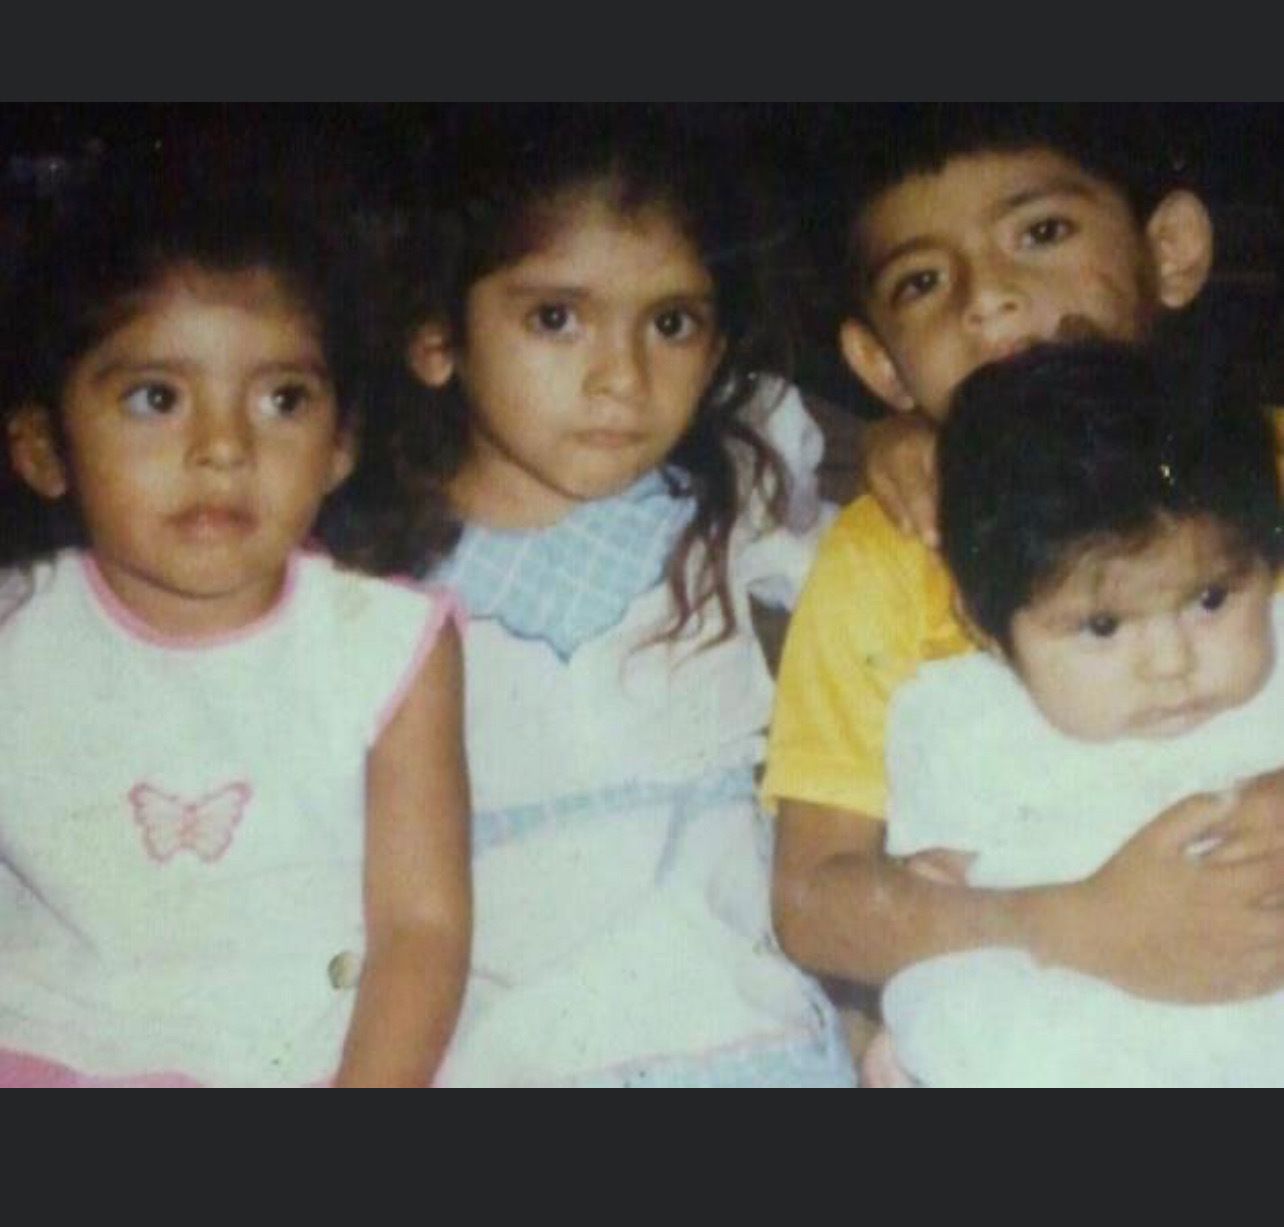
(417, 884)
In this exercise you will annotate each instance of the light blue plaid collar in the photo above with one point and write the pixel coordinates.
(569, 583)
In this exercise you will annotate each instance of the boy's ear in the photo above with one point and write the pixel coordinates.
(1180, 236)
(431, 355)
(868, 358)
(33, 452)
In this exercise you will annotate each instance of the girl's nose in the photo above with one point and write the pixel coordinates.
(618, 366)
(222, 437)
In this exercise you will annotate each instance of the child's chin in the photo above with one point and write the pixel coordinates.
(1162, 724)
(590, 490)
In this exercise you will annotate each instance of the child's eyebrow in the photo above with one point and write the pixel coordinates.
(1068, 621)
(909, 247)
(1231, 574)
(113, 369)
(1046, 190)
(314, 367)
(531, 289)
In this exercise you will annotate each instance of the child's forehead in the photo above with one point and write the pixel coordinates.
(187, 289)
(257, 289)
(587, 239)
(1165, 567)
(218, 317)
(976, 190)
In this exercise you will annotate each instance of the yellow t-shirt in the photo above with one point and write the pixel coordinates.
(876, 605)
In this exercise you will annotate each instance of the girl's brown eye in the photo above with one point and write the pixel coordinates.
(288, 400)
(150, 400)
(676, 325)
(1214, 597)
(1102, 626)
(552, 317)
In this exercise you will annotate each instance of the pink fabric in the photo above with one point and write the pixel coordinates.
(133, 625)
(447, 609)
(18, 1071)
(206, 826)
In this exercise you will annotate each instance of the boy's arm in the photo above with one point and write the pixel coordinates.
(417, 884)
(1155, 920)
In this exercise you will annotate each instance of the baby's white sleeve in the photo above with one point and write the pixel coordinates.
(936, 771)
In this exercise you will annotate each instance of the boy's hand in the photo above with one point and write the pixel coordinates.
(899, 463)
(1254, 825)
(1190, 908)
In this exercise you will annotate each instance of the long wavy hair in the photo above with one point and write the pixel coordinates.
(482, 199)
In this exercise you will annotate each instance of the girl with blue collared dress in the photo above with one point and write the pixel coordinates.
(582, 313)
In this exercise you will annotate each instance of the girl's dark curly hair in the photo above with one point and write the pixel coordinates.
(89, 271)
(482, 200)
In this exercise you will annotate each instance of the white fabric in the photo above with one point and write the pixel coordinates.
(621, 862)
(13, 588)
(975, 767)
(181, 825)
(613, 713)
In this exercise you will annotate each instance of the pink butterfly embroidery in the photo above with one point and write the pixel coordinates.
(170, 824)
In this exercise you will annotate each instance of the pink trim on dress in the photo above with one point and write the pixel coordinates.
(446, 607)
(136, 628)
(20, 1071)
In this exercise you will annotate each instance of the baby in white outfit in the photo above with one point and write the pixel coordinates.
(1115, 543)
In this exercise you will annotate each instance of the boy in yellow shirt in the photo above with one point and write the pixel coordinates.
(981, 242)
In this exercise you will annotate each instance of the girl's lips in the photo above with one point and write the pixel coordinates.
(609, 440)
(213, 521)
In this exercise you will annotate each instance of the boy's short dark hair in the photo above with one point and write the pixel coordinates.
(1066, 448)
(1124, 145)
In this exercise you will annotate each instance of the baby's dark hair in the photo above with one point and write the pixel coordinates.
(1123, 145)
(1069, 449)
(91, 269)
(494, 184)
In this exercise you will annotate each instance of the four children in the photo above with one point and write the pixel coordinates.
(564, 416)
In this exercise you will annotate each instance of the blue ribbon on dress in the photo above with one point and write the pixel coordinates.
(571, 582)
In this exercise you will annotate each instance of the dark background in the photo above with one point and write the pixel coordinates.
(1229, 152)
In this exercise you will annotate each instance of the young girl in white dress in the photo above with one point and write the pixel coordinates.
(1115, 541)
(233, 805)
(582, 322)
